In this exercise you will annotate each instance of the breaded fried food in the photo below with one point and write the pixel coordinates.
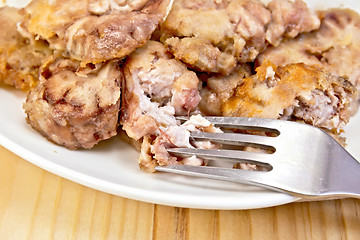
(335, 46)
(75, 107)
(213, 36)
(294, 92)
(94, 31)
(19, 60)
(157, 88)
(220, 88)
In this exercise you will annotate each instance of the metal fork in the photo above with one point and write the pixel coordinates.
(304, 160)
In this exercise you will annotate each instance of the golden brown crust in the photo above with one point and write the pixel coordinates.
(201, 55)
(93, 32)
(294, 92)
(213, 36)
(334, 46)
(75, 107)
(19, 60)
(220, 88)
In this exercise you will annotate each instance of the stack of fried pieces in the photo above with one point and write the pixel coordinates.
(95, 68)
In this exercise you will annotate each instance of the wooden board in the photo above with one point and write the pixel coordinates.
(35, 204)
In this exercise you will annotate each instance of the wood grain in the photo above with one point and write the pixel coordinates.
(35, 204)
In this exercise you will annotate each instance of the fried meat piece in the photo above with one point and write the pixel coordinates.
(158, 87)
(294, 92)
(154, 147)
(75, 107)
(19, 60)
(220, 88)
(334, 46)
(288, 20)
(94, 31)
(213, 36)
(201, 55)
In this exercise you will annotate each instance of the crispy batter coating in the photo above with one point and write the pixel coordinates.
(334, 46)
(220, 88)
(93, 32)
(73, 106)
(213, 36)
(201, 55)
(294, 92)
(19, 60)
(157, 88)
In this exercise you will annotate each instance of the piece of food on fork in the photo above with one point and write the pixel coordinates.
(295, 92)
(158, 87)
(305, 161)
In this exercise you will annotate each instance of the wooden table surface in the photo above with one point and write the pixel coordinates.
(35, 204)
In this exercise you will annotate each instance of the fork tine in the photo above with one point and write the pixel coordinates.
(244, 123)
(261, 159)
(227, 174)
(236, 139)
(311, 165)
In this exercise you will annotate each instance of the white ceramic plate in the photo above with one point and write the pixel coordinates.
(112, 165)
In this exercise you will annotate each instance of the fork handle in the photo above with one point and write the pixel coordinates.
(343, 175)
